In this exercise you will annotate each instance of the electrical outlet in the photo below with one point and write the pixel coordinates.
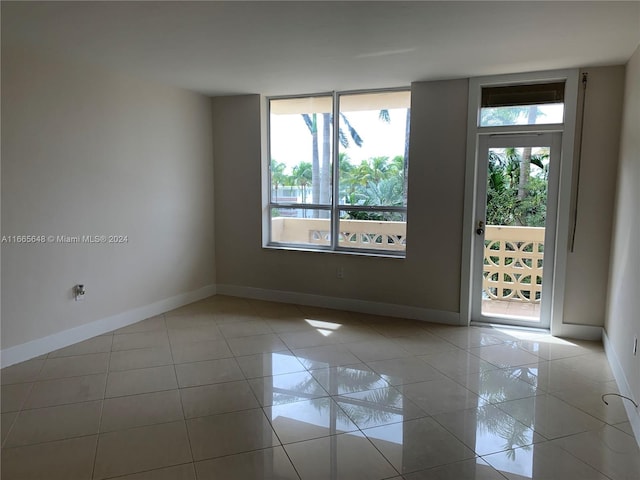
(635, 346)
(79, 292)
(340, 273)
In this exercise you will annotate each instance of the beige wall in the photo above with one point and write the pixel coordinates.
(623, 305)
(588, 264)
(430, 275)
(86, 151)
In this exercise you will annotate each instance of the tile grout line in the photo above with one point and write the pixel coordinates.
(104, 394)
(175, 373)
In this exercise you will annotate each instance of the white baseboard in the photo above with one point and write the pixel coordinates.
(362, 306)
(34, 348)
(579, 332)
(623, 385)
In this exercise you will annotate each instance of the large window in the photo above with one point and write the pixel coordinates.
(342, 185)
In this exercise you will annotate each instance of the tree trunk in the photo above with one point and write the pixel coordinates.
(405, 168)
(325, 169)
(525, 162)
(315, 166)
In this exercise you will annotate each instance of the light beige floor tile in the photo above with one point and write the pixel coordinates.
(320, 417)
(473, 469)
(608, 450)
(373, 408)
(208, 372)
(179, 472)
(551, 377)
(70, 459)
(348, 379)
(142, 380)
(325, 314)
(140, 410)
(139, 449)
(501, 385)
(594, 366)
(288, 324)
(505, 355)
(268, 364)
(370, 351)
(306, 339)
(456, 363)
(625, 427)
(55, 423)
(588, 398)
(140, 358)
(13, 396)
(229, 433)
(275, 310)
(286, 388)
(233, 315)
(21, 372)
(553, 348)
(357, 333)
(417, 445)
(66, 390)
(550, 416)
(439, 396)
(400, 371)
(148, 325)
(341, 457)
(6, 422)
(470, 337)
(129, 341)
(220, 398)
(100, 344)
(199, 351)
(74, 366)
(190, 321)
(266, 464)
(487, 429)
(325, 356)
(256, 344)
(542, 461)
(392, 327)
(424, 343)
(245, 329)
(194, 335)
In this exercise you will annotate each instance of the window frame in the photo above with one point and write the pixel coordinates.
(335, 208)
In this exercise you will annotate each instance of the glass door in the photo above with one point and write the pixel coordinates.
(515, 216)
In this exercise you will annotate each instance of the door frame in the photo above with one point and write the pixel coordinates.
(485, 143)
(562, 220)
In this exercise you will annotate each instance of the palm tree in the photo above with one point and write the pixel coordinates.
(302, 176)
(277, 175)
(312, 124)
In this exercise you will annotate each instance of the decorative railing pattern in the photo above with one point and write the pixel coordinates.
(513, 263)
(367, 234)
(512, 255)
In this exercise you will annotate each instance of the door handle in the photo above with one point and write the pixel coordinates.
(480, 229)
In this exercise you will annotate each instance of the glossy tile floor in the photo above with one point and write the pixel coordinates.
(231, 388)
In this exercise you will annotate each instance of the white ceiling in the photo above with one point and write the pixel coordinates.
(222, 48)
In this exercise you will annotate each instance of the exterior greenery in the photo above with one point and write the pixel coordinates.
(513, 198)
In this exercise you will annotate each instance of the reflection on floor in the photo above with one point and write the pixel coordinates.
(230, 388)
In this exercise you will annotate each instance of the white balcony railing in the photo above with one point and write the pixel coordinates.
(368, 234)
(513, 263)
(512, 260)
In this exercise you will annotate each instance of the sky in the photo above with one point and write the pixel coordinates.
(291, 140)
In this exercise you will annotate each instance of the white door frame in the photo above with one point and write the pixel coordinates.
(485, 143)
(474, 131)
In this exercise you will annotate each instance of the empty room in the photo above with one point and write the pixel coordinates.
(302, 240)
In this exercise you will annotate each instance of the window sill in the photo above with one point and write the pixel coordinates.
(358, 253)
